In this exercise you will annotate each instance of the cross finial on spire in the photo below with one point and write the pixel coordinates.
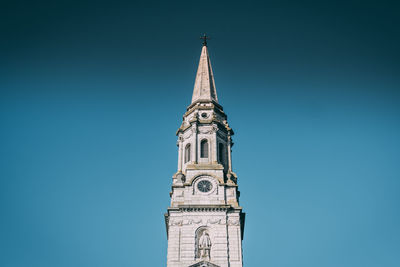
(205, 38)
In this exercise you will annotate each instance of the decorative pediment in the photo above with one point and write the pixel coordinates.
(203, 264)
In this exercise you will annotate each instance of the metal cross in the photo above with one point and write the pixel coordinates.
(205, 38)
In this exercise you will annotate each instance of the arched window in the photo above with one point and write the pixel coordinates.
(204, 148)
(221, 153)
(187, 153)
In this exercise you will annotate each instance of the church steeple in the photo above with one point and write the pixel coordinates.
(204, 222)
(204, 85)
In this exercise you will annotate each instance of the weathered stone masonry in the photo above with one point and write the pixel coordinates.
(204, 222)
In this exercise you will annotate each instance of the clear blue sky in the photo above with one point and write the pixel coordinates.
(92, 92)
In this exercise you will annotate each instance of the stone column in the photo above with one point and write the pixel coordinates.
(180, 153)
(214, 156)
(196, 142)
(229, 154)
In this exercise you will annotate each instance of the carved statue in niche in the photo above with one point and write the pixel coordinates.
(203, 244)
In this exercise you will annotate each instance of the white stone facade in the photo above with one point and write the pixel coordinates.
(205, 196)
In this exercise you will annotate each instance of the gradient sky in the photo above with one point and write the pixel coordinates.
(92, 92)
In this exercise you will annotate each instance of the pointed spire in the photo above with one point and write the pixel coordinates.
(204, 85)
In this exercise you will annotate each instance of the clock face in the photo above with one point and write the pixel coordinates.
(204, 186)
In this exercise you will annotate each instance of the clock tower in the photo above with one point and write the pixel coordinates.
(204, 222)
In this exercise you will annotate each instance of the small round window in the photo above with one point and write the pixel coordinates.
(204, 186)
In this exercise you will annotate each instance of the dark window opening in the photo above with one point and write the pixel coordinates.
(187, 153)
(204, 149)
(221, 153)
